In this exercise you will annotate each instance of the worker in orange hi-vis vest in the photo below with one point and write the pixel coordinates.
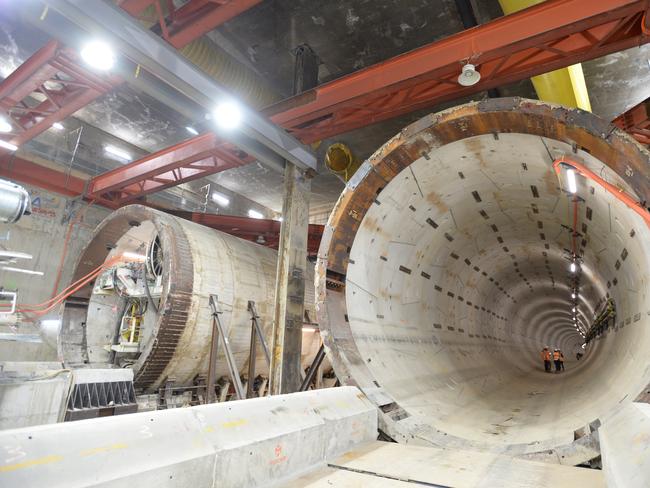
(556, 360)
(546, 357)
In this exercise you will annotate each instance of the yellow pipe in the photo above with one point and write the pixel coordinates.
(221, 66)
(565, 86)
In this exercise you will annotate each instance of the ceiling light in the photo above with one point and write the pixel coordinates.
(309, 329)
(571, 180)
(4, 125)
(51, 324)
(192, 130)
(116, 151)
(254, 214)
(469, 76)
(57, 126)
(573, 267)
(573, 295)
(221, 199)
(574, 309)
(21, 270)
(15, 255)
(8, 145)
(98, 55)
(227, 115)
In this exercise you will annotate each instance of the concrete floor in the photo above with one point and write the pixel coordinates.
(380, 464)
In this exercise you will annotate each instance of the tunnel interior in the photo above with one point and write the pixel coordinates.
(459, 274)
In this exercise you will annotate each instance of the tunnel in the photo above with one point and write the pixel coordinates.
(457, 252)
(146, 304)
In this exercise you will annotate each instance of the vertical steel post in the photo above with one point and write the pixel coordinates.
(285, 375)
(214, 347)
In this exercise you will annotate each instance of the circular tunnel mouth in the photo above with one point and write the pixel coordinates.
(127, 305)
(456, 242)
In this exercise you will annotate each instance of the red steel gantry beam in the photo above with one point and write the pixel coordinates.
(192, 159)
(251, 229)
(636, 122)
(47, 88)
(180, 26)
(554, 34)
(548, 36)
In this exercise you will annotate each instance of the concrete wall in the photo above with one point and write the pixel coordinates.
(32, 393)
(256, 442)
(625, 447)
(43, 235)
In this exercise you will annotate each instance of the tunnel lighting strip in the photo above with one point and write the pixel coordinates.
(616, 192)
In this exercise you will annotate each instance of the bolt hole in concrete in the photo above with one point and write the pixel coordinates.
(472, 376)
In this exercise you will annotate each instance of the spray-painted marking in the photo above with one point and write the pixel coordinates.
(234, 423)
(97, 450)
(16, 453)
(33, 462)
(279, 457)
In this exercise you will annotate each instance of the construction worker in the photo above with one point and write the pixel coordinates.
(546, 357)
(556, 359)
(561, 360)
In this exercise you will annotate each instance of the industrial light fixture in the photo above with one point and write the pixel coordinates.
(50, 323)
(116, 151)
(57, 126)
(571, 180)
(309, 329)
(574, 309)
(227, 115)
(21, 270)
(221, 199)
(573, 295)
(5, 126)
(192, 130)
(8, 145)
(254, 214)
(469, 76)
(98, 55)
(573, 267)
(14, 255)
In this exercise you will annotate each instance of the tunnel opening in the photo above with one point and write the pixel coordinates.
(456, 240)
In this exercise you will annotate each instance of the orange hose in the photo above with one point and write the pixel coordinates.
(66, 242)
(616, 192)
(74, 287)
(94, 272)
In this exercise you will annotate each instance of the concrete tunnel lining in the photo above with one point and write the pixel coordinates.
(457, 276)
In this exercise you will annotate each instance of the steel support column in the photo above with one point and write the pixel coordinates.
(285, 374)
